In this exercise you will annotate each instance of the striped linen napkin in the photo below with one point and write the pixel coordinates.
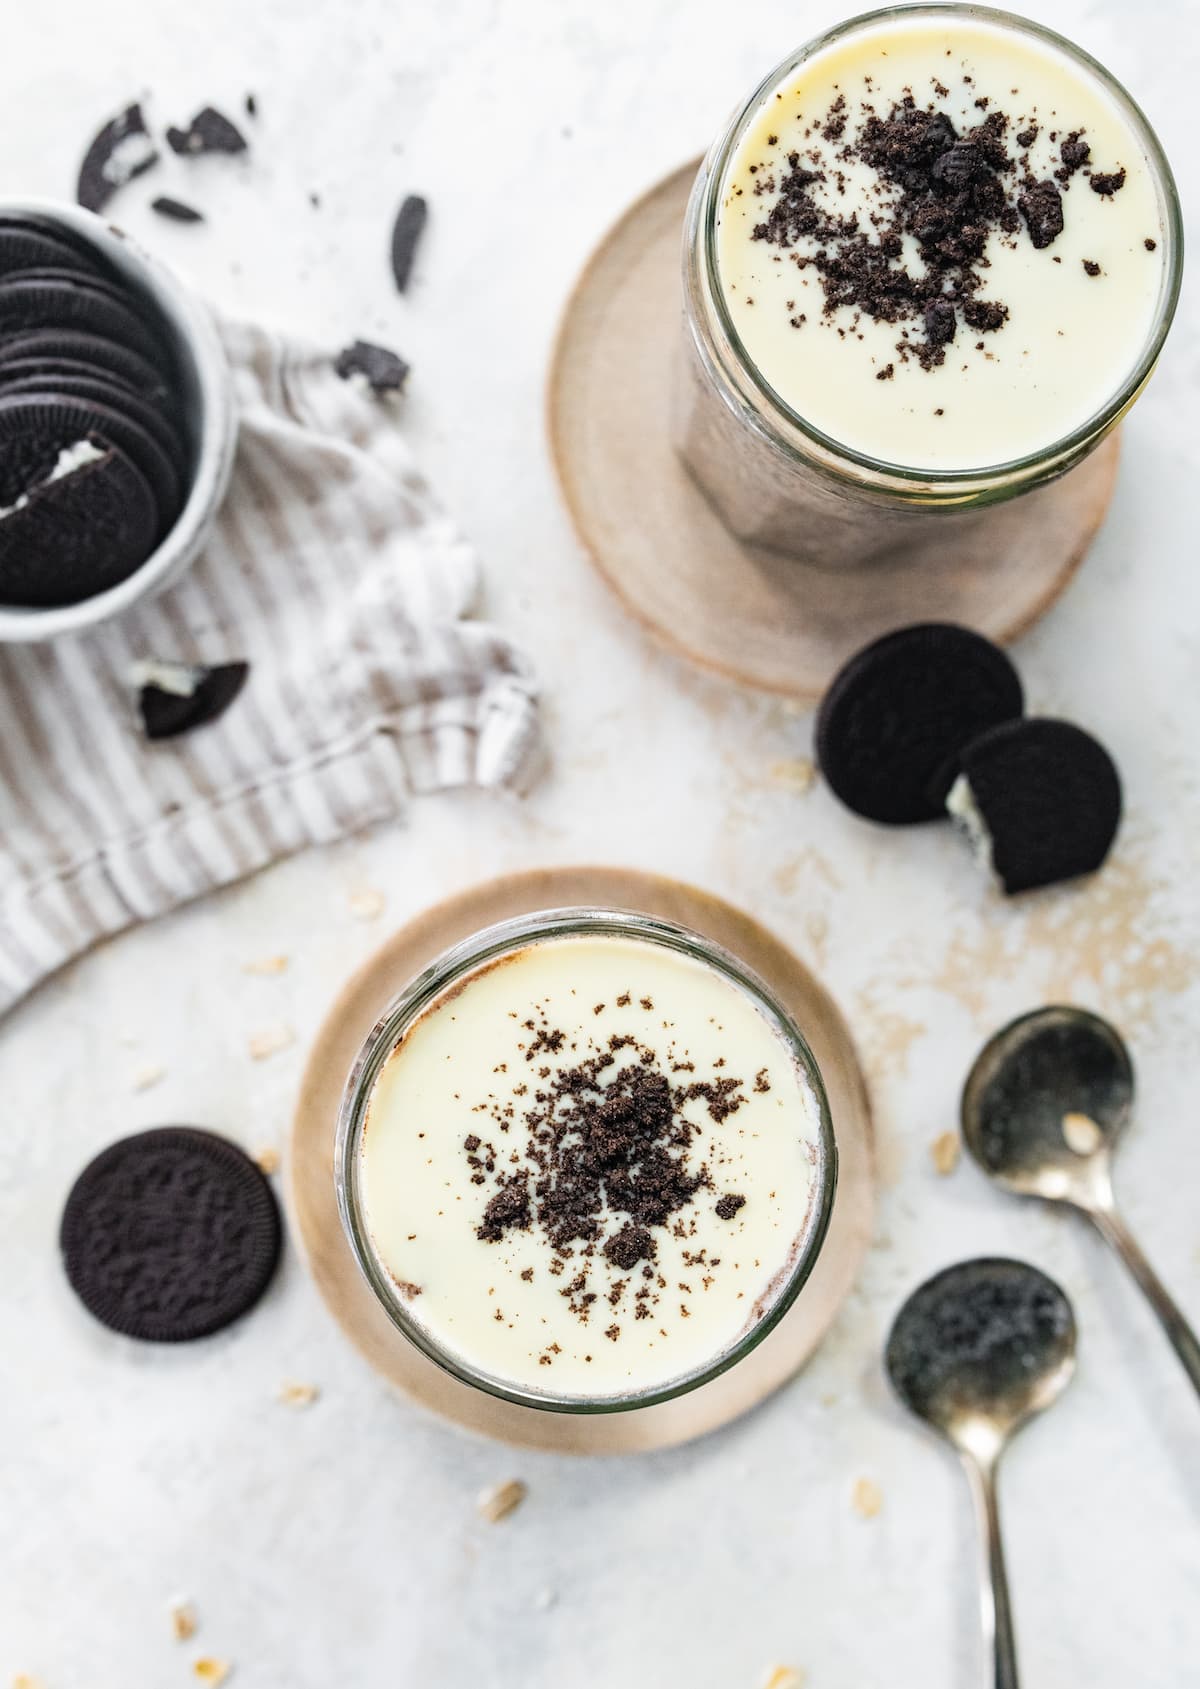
(334, 573)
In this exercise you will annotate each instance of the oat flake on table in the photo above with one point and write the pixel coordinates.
(501, 1500)
(270, 1040)
(945, 1151)
(212, 1671)
(183, 1620)
(299, 1395)
(783, 1677)
(266, 965)
(367, 905)
(867, 1498)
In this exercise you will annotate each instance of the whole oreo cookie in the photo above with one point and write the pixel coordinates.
(897, 713)
(1041, 798)
(26, 244)
(41, 299)
(48, 346)
(100, 387)
(71, 537)
(170, 1235)
(36, 426)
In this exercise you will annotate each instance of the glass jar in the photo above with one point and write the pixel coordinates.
(778, 481)
(452, 969)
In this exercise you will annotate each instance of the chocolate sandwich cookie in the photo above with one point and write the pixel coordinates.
(170, 1235)
(1041, 799)
(26, 245)
(59, 300)
(109, 285)
(897, 712)
(47, 370)
(102, 388)
(67, 536)
(51, 345)
(36, 427)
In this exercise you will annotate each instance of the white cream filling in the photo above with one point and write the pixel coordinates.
(131, 154)
(968, 817)
(69, 459)
(180, 679)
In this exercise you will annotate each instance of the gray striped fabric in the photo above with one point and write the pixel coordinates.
(334, 572)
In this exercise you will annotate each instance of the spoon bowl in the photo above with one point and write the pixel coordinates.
(1046, 1101)
(980, 1348)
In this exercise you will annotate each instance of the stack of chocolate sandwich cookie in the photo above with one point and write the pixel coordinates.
(95, 460)
(928, 722)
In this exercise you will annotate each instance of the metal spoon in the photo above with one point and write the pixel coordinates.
(976, 1352)
(1042, 1108)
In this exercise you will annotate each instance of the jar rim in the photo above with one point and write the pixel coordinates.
(468, 956)
(1015, 473)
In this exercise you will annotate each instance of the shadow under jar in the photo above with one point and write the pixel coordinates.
(887, 332)
(585, 1161)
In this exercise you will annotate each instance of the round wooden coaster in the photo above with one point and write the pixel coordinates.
(755, 615)
(352, 1302)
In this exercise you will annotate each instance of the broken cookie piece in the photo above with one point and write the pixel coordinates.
(382, 370)
(406, 232)
(174, 698)
(122, 150)
(176, 210)
(209, 131)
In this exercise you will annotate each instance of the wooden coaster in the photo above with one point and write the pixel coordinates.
(352, 1302)
(754, 615)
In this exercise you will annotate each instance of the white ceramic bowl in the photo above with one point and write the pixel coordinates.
(207, 408)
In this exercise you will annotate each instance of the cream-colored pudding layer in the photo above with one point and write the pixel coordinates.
(1080, 310)
(491, 1074)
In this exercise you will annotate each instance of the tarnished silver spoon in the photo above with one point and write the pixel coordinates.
(1042, 1109)
(976, 1352)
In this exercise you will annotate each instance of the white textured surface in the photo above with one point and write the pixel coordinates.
(338, 1543)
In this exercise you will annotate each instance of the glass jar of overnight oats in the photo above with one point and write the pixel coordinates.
(585, 1161)
(928, 265)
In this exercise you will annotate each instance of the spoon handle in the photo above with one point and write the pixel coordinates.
(1113, 1227)
(995, 1608)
